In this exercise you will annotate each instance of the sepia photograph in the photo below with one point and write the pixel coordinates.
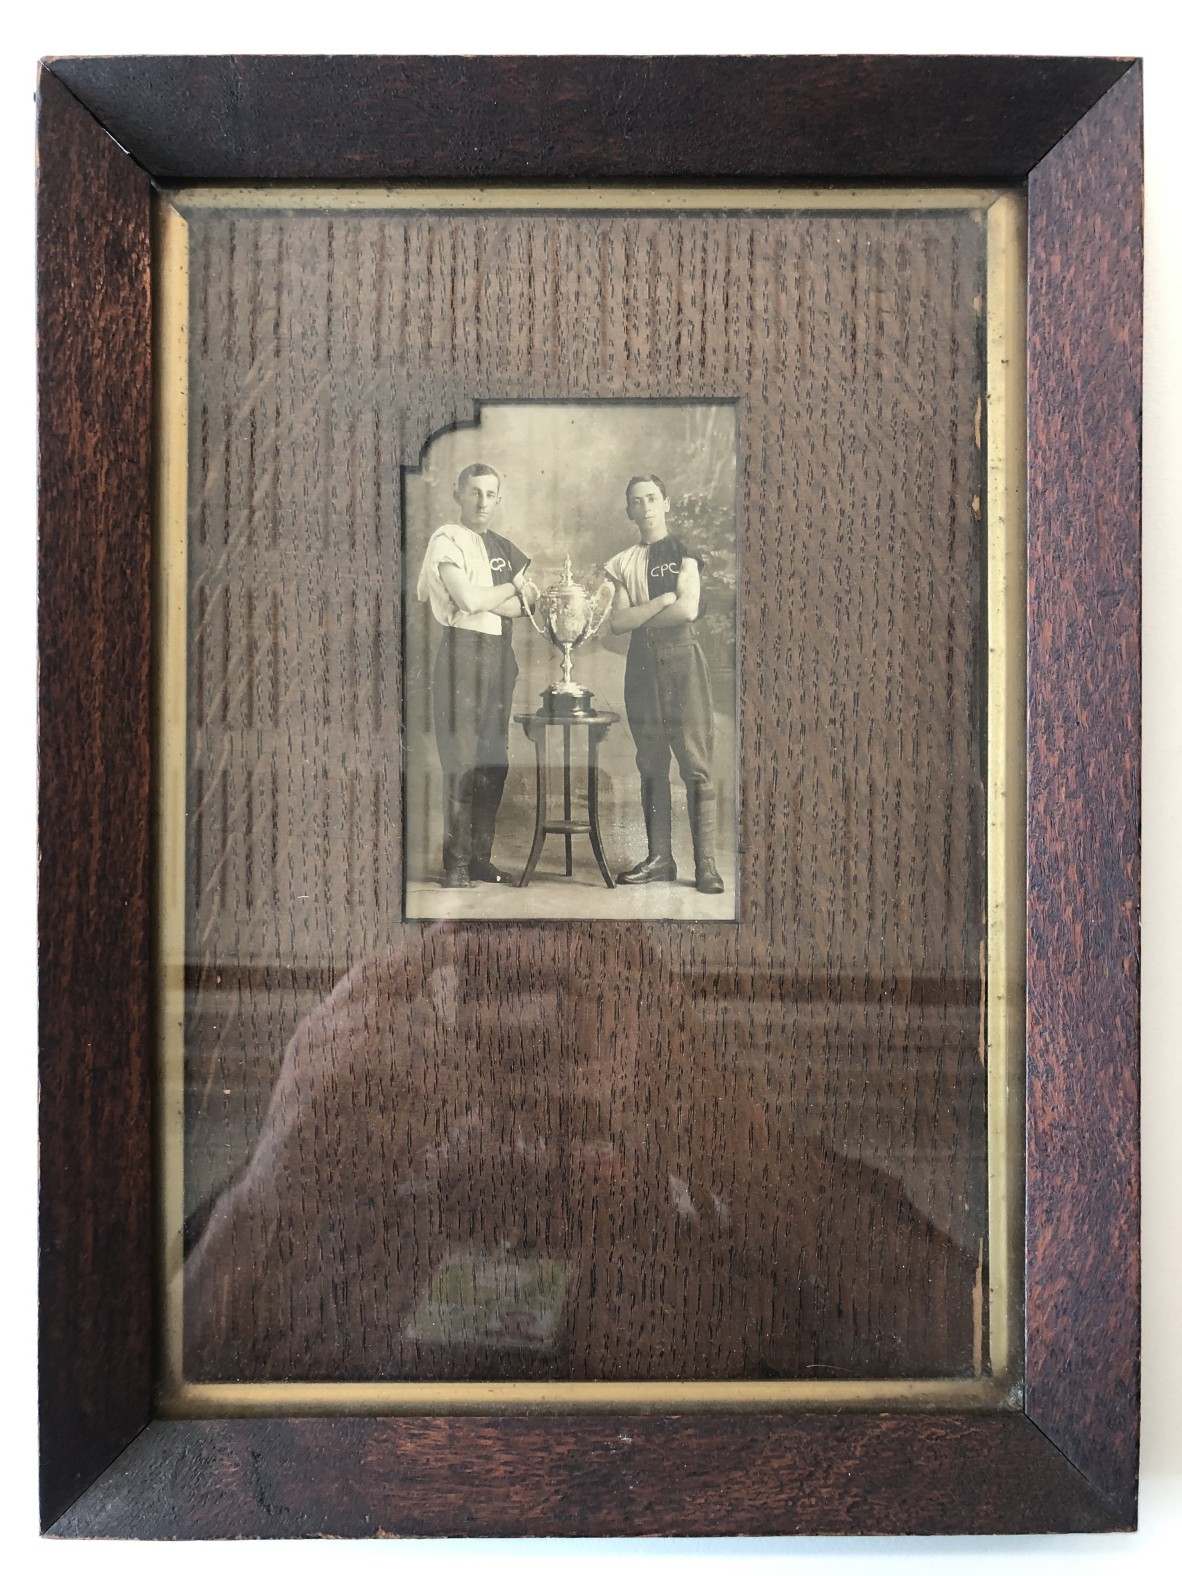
(569, 637)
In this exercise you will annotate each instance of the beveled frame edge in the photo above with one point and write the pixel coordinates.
(1069, 1462)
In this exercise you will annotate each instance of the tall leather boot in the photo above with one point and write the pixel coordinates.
(703, 819)
(656, 801)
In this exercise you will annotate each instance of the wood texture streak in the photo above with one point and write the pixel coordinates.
(582, 1476)
(1084, 793)
(852, 118)
(95, 423)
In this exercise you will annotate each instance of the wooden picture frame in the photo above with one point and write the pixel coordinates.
(1069, 131)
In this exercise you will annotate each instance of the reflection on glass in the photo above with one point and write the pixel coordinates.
(573, 1130)
(536, 1183)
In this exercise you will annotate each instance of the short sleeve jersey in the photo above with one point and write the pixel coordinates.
(648, 572)
(485, 559)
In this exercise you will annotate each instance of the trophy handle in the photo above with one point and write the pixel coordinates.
(529, 611)
(596, 624)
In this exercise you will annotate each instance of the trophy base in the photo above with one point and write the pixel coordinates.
(562, 700)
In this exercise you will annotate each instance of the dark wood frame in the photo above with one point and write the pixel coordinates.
(1070, 130)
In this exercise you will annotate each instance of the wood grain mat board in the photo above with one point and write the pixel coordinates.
(587, 1150)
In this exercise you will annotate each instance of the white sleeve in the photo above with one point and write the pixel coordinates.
(441, 549)
(614, 569)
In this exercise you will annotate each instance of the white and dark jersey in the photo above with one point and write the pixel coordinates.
(647, 572)
(485, 558)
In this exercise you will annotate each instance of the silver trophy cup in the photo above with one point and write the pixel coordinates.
(567, 614)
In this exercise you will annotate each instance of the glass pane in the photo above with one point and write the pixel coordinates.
(588, 878)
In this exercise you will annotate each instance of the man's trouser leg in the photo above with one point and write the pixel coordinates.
(653, 760)
(488, 786)
(457, 821)
(458, 703)
(492, 754)
(687, 706)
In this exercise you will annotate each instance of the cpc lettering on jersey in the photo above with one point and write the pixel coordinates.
(658, 570)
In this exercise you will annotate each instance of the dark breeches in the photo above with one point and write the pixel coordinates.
(670, 707)
(472, 700)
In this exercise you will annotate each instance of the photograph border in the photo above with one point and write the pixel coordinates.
(1070, 131)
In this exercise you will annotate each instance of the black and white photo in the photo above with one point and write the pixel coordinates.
(569, 633)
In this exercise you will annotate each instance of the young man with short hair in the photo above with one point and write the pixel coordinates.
(658, 598)
(474, 581)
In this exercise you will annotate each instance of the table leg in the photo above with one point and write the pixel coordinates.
(540, 821)
(593, 804)
(570, 863)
